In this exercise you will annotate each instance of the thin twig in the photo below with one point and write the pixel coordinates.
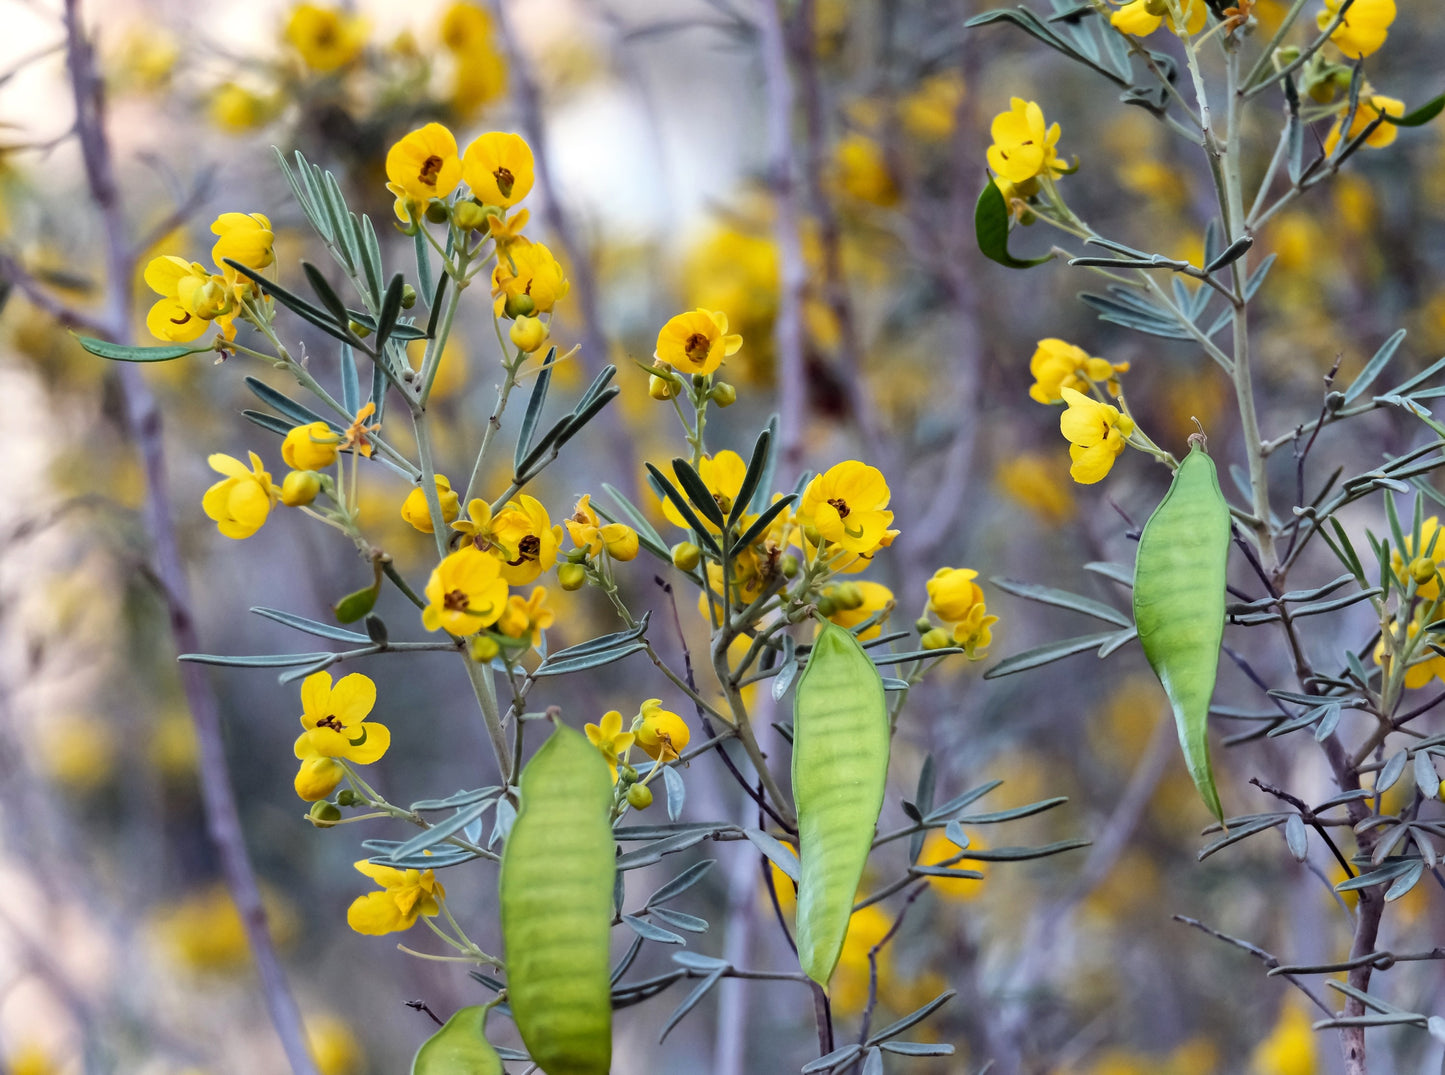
(1259, 953)
(143, 419)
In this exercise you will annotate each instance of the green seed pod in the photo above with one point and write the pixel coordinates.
(840, 766)
(556, 899)
(639, 797)
(1179, 604)
(460, 1046)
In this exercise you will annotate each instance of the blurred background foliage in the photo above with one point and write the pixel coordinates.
(119, 947)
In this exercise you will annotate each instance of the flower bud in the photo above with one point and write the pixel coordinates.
(347, 797)
(659, 388)
(483, 648)
(408, 296)
(324, 814)
(790, 566)
(685, 555)
(1422, 569)
(571, 576)
(469, 216)
(300, 488)
(826, 605)
(436, 211)
(723, 394)
(847, 596)
(519, 306)
(923, 625)
(626, 773)
(577, 556)
(528, 333)
(639, 797)
(936, 638)
(620, 541)
(358, 330)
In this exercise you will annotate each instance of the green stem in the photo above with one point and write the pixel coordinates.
(494, 423)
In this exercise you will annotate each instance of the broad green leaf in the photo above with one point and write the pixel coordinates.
(991, 228)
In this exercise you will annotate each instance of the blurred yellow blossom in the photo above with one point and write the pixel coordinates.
(333, 1046)
(930, 111)
(243, 237)
(326, 38)
(1031, 481)
(241, 501)
(479, 70)
(234, 108)
(77, 750)
(861, 171)
(1290, 1049)
(405, 895)
(204, 931)
(938, 849)
(1097, 434)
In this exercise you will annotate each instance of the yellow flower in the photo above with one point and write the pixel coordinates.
(422, 166)
(235, 109)
(1030, 480)
(846, 503)
(938, 849)
(1291, 1047)
(590, 533)
(480, 71)
(498, 168)
(862, 172)
(873, 597)
(357, 436)
(1096, 433)
(1022, 146)
(610, 739)
(1420, 671)
(696, 342)
(190, 299)
(524, 539)
(310, 447)
(465, 27)
(326, 37)
(930, 112)
(1432, 551)
(952, 593)
(333, 1046)
(243, 237)
(662, 734)
(527, 280)
(974, 632)
(404, 895)
(723, 475)
(527, 618)
(416, 511)
(1057, 364)
(1364, 27)
(1141, 17)
(334, 719)
(241, 501)
(1369, 107)
(465, 593)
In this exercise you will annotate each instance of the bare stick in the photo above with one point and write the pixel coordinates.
(143, 419)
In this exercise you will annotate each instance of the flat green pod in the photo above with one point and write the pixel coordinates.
(460, 1047)
(556, 883)
(840, 768)
(1179, 596)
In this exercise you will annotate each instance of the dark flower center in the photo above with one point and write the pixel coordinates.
(841, 505)
(455, 601)
(430, 169)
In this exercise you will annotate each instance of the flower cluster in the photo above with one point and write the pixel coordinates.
(191, 296)
(1142, 17)
(956, 599)
(662, 735)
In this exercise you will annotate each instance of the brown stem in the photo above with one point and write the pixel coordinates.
(143, 421)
